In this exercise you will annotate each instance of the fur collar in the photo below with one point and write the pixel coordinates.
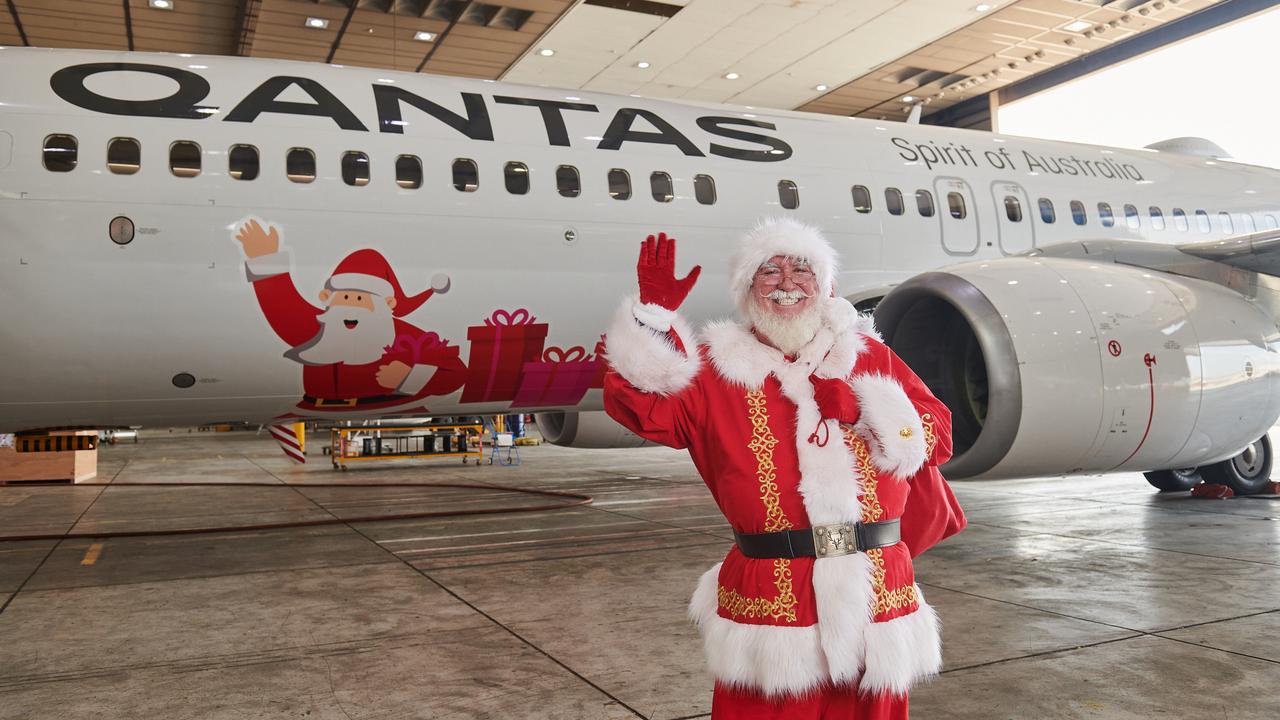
(742, 359)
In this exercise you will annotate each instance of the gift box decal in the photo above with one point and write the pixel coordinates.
(562, 377)
(500, 349)
(601, 366)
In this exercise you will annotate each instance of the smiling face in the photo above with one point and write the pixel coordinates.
(355, 327)
(784, 287)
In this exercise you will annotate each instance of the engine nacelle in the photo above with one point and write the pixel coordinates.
(1058, 366)
(593, 429)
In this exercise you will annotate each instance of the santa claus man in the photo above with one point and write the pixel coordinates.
(820, 447)
(356, 351)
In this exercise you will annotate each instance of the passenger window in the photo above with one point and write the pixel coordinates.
(1269, 221)
(355, 168)
(861, 199)
(300, 165)
(1078, 214)
(1225, 220)
(955, 203)
(60, 153)
(1249, 226)
(124, 156)
(568, 182)
(516, 176)
(1157, 217)
(1131, 217)
(1180, 219)
(184, 159)
(409, 172)
(619, 184)
(1047, 213)
(893, 200)
(1202, 221)
(924, 203)
(242, 162)
(1012, 208)
(788, 194)
(661, 188)
(704, 189)
(1104, 213)
(466, 176)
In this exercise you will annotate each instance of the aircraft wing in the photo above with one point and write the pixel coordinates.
(1259, 251)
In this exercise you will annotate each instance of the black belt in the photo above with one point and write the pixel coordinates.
(820, 541)
(352, 402)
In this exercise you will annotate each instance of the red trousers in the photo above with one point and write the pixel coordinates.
(833, 703)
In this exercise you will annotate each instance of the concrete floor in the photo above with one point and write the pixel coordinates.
(1065, 598)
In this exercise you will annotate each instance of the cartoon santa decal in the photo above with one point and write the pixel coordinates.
(356, 351)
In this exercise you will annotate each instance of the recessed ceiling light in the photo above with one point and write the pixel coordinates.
(731, 76)
(161, 4)
(821, 88)
(908, 98)
(317, 23)
(424, 36)
(546, 52)
(982, 7)
(1077, 26)
(643, 64)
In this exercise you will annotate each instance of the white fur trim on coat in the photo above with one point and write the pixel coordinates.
(781, 236)
(742, 359)
(265, 266)
(903, 651)
(648, 359)
(898, 442)
(654, 316)
(770, 659)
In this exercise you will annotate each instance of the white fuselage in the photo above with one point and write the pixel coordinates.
(95, 332)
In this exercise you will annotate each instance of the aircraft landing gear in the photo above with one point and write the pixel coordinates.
(1248, 473)
(1174, 480)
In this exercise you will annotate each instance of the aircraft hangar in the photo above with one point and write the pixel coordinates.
(193, 526)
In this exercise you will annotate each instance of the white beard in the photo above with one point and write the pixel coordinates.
(788, 334)
(365, 343)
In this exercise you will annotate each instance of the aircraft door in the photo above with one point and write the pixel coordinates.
(1013, 218)
(959, 222)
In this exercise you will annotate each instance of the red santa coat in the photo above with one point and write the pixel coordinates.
(434, 369)
(747, 416)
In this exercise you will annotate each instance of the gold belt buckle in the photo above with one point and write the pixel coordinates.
(346, 402)
(834, 540)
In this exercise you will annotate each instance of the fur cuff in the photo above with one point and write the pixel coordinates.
(902, 651)
(768, 659)
(898, 445)
(648, 359)
(654, 316)
(264, 266)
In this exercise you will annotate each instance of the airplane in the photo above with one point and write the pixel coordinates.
(189, 238)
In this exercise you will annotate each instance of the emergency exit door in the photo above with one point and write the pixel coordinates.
(957, 216)
(1013, 218)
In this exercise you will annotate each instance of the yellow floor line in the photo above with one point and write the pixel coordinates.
(91, 555)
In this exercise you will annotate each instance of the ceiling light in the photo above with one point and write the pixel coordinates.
(317, 23)
(982, 7)
(908, 98)
(731, 76)
(546, 52)
(643, 64)
(424, 36)
(1077, 26)
(161, 4)
(821, 88)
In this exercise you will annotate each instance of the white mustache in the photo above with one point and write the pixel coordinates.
(779, 294)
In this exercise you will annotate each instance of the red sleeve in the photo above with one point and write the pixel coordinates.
(932, 513)
(665, 419)
(292, 317)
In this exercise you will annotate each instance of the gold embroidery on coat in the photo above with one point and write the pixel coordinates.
(886, 600)
(871, 510)
(782, 607)
(930, 439)
(762, 444)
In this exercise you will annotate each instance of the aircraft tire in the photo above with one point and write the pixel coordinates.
(1248, 473)
(1174, 480)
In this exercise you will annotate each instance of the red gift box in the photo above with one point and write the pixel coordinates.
(561, 378)
(500, 349)
(601, 365)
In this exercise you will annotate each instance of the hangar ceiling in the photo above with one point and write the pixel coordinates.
(845, 57)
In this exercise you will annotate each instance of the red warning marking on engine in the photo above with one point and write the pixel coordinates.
(1113, 347)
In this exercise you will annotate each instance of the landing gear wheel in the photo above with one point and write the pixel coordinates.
(1174, 480)
(1248, 473)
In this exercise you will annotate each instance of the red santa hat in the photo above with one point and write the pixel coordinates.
(368, 271)
(781, 236)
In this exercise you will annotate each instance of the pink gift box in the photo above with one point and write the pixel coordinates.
(561, 378)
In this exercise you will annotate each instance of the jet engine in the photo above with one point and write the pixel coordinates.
(592, 429)
(1060, 366)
